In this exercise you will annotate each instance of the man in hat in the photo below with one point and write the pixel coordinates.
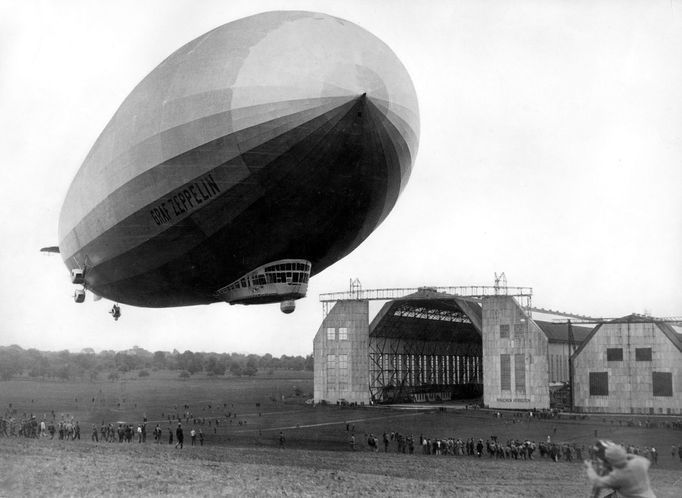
(629, 475)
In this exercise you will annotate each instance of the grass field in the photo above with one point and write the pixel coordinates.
(243, 458)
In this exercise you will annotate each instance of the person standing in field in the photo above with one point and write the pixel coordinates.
(170, 436)
(201, 438)
(281, 440)
(193, 436)
(180, 436)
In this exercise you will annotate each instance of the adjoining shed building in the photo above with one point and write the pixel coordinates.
(629, 365)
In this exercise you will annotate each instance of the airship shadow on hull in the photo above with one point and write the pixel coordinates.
(196, 206)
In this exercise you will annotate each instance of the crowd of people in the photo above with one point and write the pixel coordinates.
(69, 429)
(494, 447)
(65, 426)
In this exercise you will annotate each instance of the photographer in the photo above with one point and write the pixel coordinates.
(628, 474)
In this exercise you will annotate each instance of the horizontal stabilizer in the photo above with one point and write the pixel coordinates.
(50, 249)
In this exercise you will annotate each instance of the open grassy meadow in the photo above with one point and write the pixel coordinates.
(241, 457)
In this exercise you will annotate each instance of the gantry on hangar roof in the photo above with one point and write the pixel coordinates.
(428, 315)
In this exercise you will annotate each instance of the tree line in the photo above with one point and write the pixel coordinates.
(18, 362)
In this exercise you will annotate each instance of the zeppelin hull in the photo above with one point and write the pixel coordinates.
(194, 206)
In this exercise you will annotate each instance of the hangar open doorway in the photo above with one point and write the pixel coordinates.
(426, 347)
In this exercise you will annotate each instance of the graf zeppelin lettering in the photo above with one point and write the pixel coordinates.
(185, 200)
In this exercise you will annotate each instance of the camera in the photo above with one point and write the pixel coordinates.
(599, 463)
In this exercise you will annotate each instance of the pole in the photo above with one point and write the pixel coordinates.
(571, 380)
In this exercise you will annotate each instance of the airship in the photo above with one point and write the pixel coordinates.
(249, 160)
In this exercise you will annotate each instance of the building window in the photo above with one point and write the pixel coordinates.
(614, 354)
(599, 384)
(663, 383)
(343, 372)
(520, 373)
(331, 333)
(331, 371)
(343, 334)
(519, 329)
(504, 331)
(643, 354)
(505, 373)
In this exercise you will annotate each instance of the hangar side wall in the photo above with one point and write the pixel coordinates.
(515, 349)
(340, 351)
(628, 381)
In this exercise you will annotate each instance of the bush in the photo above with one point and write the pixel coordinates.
(143, 373)
(184, 374)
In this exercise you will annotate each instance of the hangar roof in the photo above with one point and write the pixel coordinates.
(558, 332)
(427, 315)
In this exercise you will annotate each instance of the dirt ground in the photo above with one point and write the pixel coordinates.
(81, 468)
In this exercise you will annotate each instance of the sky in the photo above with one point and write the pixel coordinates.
(550, 150)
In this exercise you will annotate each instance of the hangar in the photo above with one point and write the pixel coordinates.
(442, 343)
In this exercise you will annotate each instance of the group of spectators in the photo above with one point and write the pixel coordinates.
(67, 428)
(511, 449)
(27, 425)
(493, 447)
(30, 427)
(220, 416)
(128, 433)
